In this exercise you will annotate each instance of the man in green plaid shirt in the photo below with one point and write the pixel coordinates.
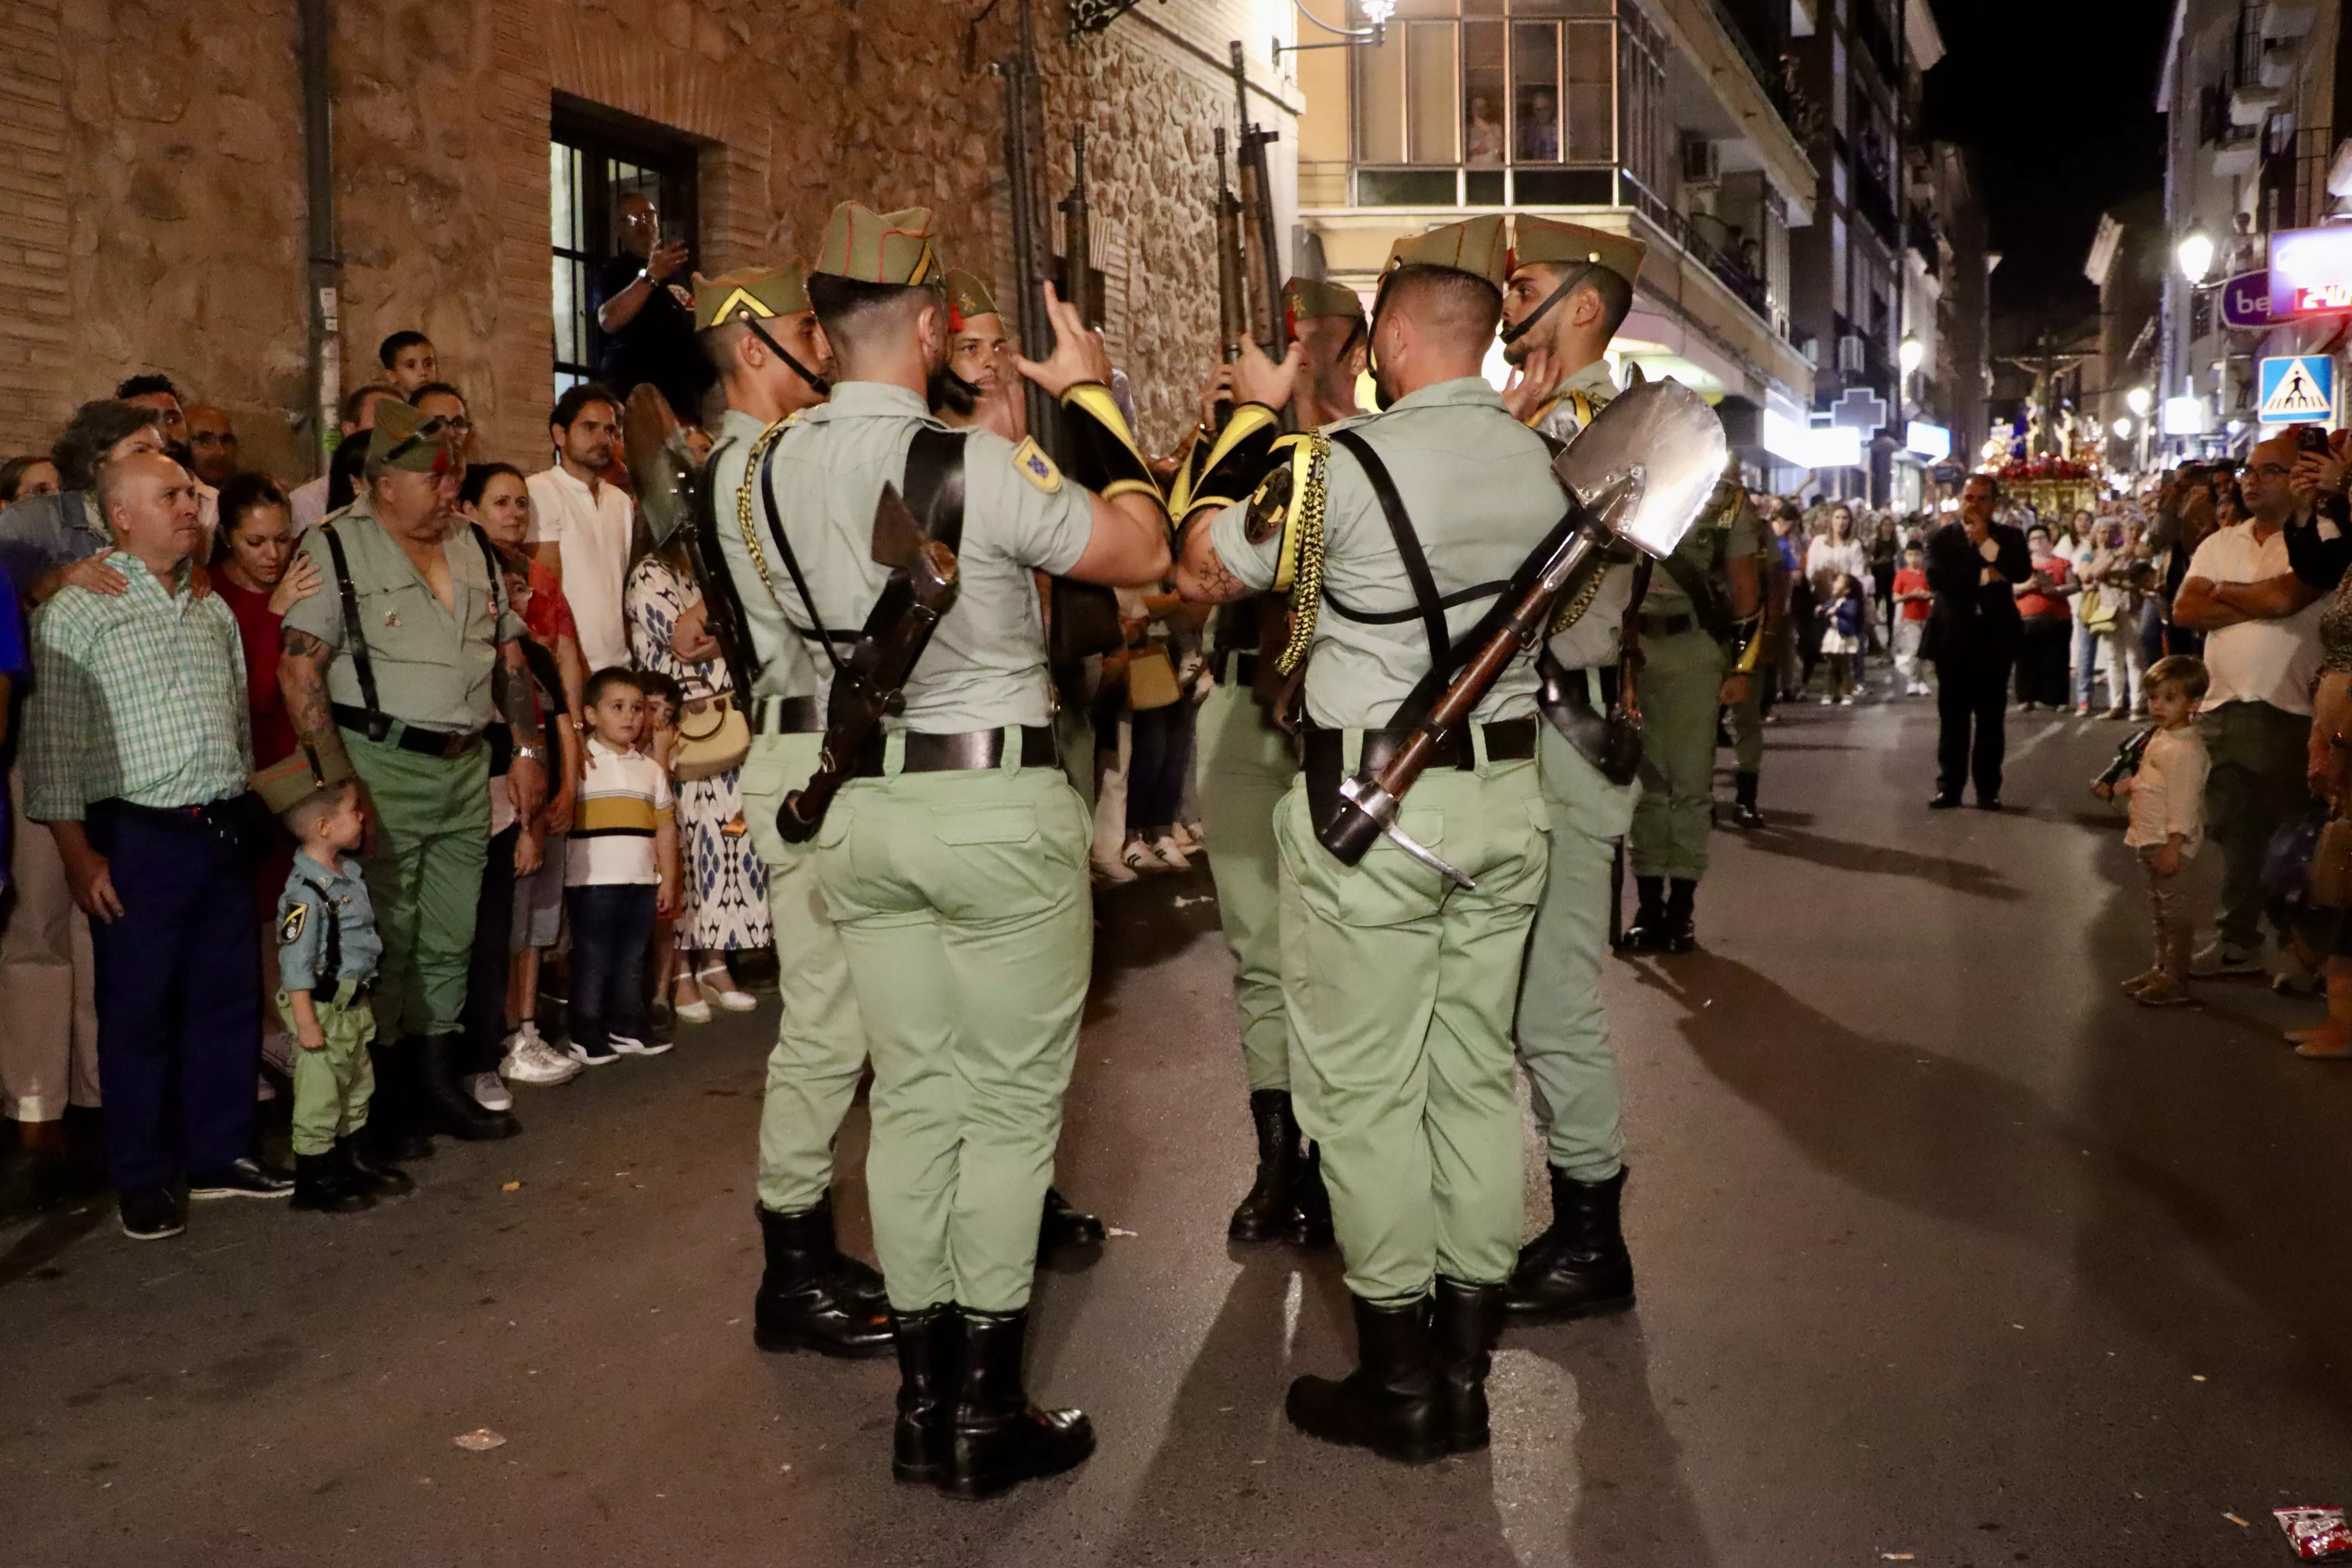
(136, 751)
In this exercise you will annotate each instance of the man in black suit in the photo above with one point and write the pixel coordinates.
(1972, 636)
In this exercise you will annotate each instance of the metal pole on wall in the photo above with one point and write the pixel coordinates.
(318, 27)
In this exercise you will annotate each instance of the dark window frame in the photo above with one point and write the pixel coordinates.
(616, 152)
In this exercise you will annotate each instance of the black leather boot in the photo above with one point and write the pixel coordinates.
(1579, 1266)
(1743, 807)
(1267, 1213)
(1060, 1225)
(321, 1184)
(931, 1367)
(1467, 1320)
(1311, 1206)
(369, 1173)
(1681, 934)
(445, 1104)
(1648, 931)
(803, 1303)
(395, 1131)
(1389, 1403)
(996, 1439)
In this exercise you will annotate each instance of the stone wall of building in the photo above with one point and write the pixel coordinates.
(156, 215)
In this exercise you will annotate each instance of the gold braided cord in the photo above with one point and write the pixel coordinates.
(1306, 576)
(767, 438)
(1573, 611)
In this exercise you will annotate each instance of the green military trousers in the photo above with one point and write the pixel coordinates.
(1748, 717)
(1399, 987)
(1243, 765)
(1681, 681)
(1563, 1033)
(425, 877)
(333, 1084)
(961, 897)
(820, 1051)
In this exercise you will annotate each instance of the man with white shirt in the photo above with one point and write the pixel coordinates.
(2262, 649)
(580, 525)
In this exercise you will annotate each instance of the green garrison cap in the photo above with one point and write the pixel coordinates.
(967, 297)
(1313, 299)
(1474, 246)
(1539, 239)
(291, 780)
(407, 437)
(879, 247)
(750, 293)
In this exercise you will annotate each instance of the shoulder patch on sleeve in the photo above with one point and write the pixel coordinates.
(289, 925)
(1029, 459)
(1269, 509)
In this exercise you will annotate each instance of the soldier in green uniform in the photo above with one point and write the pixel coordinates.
(1578, 1263)
(1398, 985)
(1701, 625)
(400, 661)
(762, 337)
(953, 862)
(1244, 763)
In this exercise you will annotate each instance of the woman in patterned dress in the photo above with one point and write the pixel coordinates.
(726, 887)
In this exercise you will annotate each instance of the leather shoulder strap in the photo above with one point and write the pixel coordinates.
(1431, 604)
(825, 638)
(498, 576)
(934, 487)
(355, 638)
(334, 946)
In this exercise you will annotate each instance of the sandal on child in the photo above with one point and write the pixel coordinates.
(2165, 991)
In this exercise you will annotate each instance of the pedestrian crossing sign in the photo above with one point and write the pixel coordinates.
(2299, 389)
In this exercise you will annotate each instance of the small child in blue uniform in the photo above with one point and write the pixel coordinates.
(327, 950)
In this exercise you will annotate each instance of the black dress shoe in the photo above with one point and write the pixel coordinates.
(931, 1370)
(996, 1439)
(1059, 1225)
(444, 1105)
(802, 1302)
(151, 1213)
(1986, 803)
(1311, 1204)
(1269, 1212)
(1579, 1266)
(246, 1178)
(324, 1183)
(1465, 1324)
(1678, 933)
(369, 1173)
(1648, 931)
(1389, 1403)
(1940, 801)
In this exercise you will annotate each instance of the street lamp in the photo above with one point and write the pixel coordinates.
(1912, 353)
(1377, 13)
(2123, 430)
(2139, 399)
(2195, 254)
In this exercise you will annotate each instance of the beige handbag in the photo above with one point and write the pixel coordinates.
(1151, 680)
(713, 738)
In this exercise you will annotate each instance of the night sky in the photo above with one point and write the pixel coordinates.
(2055, 99)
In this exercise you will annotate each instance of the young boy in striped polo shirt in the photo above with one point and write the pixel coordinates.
(620, 873)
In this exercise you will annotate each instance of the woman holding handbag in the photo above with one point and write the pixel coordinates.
(726, 888)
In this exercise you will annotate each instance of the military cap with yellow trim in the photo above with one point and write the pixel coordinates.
(1476, 246)
(879, 247)
(1541, 239)
(1316, 299)
(968, 297)
(408, 438)
(750, 293)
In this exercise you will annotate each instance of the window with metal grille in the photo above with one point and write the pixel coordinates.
(596, 157)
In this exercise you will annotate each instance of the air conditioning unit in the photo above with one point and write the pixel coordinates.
(1850, 360)
(1811, 349)
(1701, 165)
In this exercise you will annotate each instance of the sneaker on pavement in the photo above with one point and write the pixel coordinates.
(490, 1092)
(595, 1056)
(1112, 870)
(2163, 991)
(630, 1045)
(1164, 850)
(1136, 856)
(1187, 838)
(151, 1213)
(2221, 959)
(537, 1063)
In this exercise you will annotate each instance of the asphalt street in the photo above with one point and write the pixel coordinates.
(1947, 1255)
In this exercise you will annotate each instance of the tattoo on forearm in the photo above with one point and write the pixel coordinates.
(515, 700)
(302, 679)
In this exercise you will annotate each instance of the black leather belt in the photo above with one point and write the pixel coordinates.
(972, 750)
(1512, 741)
(1234, 666)
(787, 716)
(1668, 626)
(377, 727)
